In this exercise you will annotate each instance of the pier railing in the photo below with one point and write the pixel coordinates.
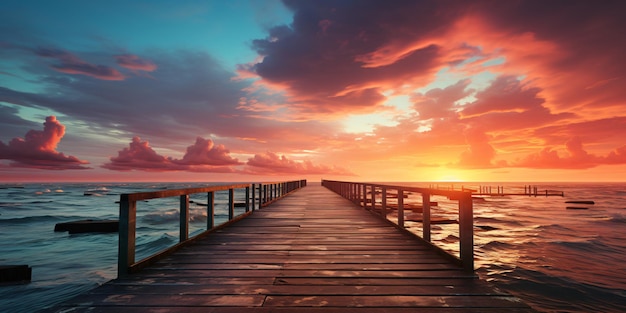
(256, 196)
(365, 194)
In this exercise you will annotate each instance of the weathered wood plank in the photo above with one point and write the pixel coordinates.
(395, 301)
(336, 290)
(204, 309)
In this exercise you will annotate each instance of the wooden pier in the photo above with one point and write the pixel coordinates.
(311, 251)
(499, 191)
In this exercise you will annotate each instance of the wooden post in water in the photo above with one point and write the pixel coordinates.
(127, 229)
(426, 216)
(184, 218)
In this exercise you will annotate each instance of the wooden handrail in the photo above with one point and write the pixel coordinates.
(268, 192)
(358, 193)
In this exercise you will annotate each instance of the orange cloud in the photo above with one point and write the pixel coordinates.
(38, 149)
(577, 158)
(270, 163)
(479, 153)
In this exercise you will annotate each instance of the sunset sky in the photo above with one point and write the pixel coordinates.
(360, 90)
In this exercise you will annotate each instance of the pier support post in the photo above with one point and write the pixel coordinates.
(383, 200)
(248, 199)
(426, 216)
(210, 210)
(373, 191)
(184, 218)
(127, 230)
(466, 232)
(231, 204)
(401, 207)
(364, 195)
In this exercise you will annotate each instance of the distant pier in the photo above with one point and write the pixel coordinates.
(495, 191)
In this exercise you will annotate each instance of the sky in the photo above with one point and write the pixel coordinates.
(356, 90)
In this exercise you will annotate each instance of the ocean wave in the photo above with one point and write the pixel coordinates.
(555, 293)
(450, 239)
(36, 219)
(497, 245)
(148, 245)
(173, 215)
(589, 247)
(617, 218)
(555, 228)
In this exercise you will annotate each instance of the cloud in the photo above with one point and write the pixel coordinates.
(140, 156)
(135, 63)
(270, 163)
(205, 152)
(479, 152)
(575, 158)
(202, 156)
(327, 61)
(38, 149)
(71, 64)
(440, 102)
(555, 67)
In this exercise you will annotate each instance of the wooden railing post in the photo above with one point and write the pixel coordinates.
(401, 207)
(231, 203)
(373, 191)
(383, 209)
(359, 191)
(127, 231)
(426, 216)
(364, 195)
(184, 218)
(248, 199)
(260, 196)
(466, 232)
(210, 210)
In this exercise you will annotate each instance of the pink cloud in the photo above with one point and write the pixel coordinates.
(270, 163)
(140, 156)
(71, 64)
(203, 156)
(38, 149)
(205, 152)
(135, 63)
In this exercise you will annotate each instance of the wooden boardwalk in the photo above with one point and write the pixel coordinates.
(312, 251)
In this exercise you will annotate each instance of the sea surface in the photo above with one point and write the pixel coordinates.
(554, 258)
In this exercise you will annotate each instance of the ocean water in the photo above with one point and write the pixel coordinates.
(555, 259)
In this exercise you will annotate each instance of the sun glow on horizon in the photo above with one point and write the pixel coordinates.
(450, 178)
